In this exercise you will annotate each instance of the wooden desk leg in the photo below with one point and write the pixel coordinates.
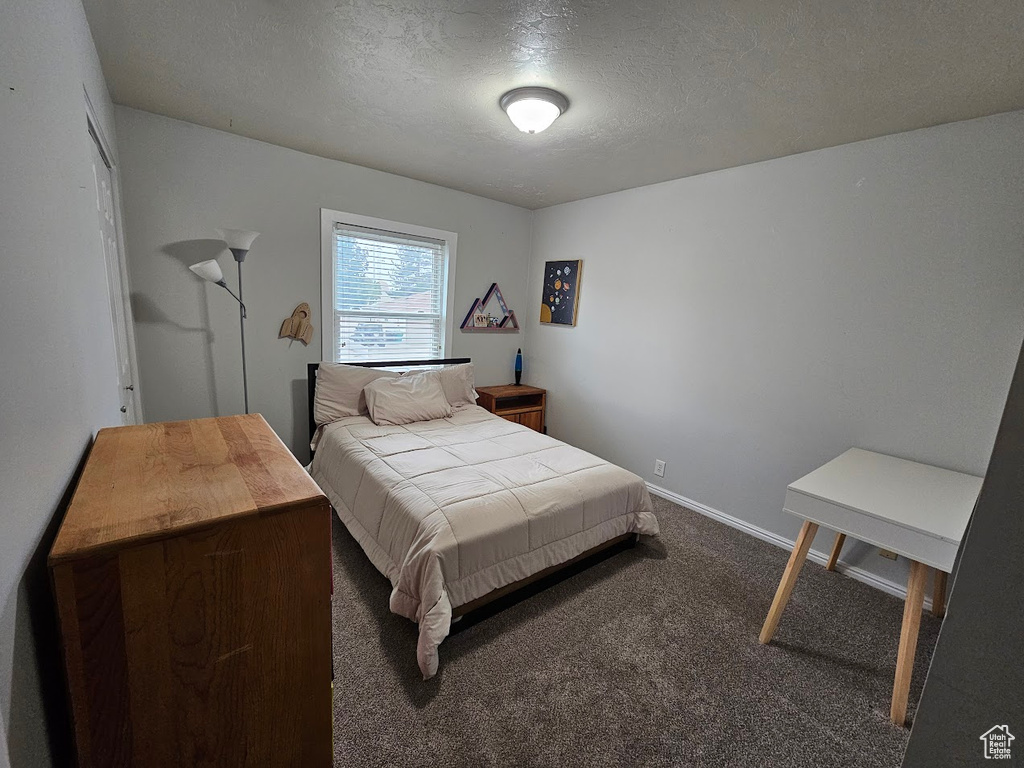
(908, 642)
(796, 562)
(939, 594)
(836, 549)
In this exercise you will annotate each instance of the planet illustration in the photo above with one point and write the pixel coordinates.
(557, 287)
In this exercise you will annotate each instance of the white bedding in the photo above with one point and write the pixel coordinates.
(454, 508)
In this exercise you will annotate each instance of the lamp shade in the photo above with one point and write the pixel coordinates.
(209, 270)
(238, 239)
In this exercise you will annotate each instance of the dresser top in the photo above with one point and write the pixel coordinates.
(923, 498)
(159, 480)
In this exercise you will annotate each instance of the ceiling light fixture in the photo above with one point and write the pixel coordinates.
(532, 109)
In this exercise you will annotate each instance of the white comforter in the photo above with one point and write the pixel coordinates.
(454, 508)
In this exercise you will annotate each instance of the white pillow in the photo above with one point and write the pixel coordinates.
(457, 382)
(407, 399)
(339, 390)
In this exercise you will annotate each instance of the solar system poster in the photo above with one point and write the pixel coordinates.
(561, 292)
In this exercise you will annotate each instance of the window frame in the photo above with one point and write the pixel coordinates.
(328, 219)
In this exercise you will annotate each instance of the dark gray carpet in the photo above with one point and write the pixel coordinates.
(644, 659)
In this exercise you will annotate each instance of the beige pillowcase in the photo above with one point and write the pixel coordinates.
(339, 390)
(407, 399)
(458, 384)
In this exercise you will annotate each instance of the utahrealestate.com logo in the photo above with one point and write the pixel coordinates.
(997, 742)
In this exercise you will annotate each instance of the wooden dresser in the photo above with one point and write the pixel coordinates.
(519, 403)
(192, 574)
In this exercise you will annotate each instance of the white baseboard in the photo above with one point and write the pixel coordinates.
(853, 571)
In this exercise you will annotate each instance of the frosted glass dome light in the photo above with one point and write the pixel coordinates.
(532, 109)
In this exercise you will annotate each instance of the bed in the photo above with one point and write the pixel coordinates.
(456, 510)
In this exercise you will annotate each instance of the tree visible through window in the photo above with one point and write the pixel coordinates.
(415, 272)
(355, 288)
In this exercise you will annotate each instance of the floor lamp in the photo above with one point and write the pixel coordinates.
(238, 242)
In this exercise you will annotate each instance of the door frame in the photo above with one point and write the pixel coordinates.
(96, 134)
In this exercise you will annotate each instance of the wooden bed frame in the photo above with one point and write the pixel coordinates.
(512, 593)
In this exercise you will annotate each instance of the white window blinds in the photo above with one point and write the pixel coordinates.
(388, 295)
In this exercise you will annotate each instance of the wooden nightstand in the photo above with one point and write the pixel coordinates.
(519, 403)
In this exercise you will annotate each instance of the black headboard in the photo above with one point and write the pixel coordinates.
(311, 369)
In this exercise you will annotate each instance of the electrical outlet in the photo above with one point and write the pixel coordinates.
(659, 467)
(887, 554)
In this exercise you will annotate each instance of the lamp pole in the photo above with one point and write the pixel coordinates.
(238, 242)
(239, 258)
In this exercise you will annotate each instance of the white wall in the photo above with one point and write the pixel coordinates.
(777, 313)
(751, 324)
(182, 182)
(57, 378)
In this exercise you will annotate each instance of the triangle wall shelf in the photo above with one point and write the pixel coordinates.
(507, 322)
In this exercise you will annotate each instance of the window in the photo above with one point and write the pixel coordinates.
(386, 289)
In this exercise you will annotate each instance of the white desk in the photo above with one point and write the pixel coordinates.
(915, 510)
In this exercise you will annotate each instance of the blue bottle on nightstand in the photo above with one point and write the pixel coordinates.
(519, 365)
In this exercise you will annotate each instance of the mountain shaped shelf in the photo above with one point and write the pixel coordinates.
(508, 322)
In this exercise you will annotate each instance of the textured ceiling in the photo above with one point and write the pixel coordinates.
(658, 89)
